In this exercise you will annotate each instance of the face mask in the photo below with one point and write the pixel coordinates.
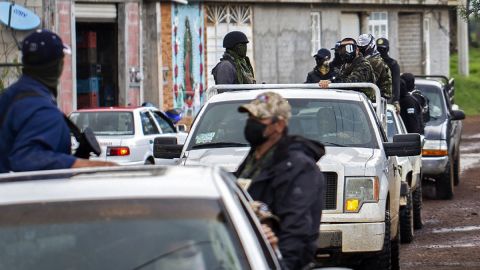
(241, 49)
(349, 53)
(319, 61)
(254, 132)
(383, 51)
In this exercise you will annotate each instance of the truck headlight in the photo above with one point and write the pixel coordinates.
(435, 148)
(360, 190)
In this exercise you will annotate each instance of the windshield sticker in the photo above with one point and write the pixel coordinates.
(204, 138)
(389, 121)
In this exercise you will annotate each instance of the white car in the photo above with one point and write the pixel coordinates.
(126, 135)
(410, 171)
(360, 218)
(146, 217)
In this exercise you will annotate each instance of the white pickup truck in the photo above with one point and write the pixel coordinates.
(360, 221)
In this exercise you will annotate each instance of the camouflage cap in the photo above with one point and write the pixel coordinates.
(268, 105)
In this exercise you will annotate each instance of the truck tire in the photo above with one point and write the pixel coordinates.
(383, 259)
(444, 183)
(456, 171)
(417, 207)
(395, 257)
(406, 220)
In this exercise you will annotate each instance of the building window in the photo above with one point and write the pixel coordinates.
(316, 32)
(222, 19)
(378, 24)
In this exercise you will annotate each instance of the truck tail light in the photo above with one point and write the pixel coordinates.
(118, 151)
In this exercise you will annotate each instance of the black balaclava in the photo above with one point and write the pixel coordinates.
(48, 74)
(348, 53)
(383, 51)
(409, 79)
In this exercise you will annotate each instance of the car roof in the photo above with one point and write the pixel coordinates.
(431, 82)
(114, 109)
(289, 93)
(108, 183)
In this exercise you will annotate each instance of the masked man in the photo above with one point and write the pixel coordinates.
(234, 67)
(284, 175)
(383, 47)
(356, 68)
(322, 70)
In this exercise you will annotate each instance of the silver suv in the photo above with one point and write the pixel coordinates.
(360, 218)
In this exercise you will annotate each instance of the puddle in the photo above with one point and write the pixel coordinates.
(457, 229)
(470, 147)
(469, 161)
(468, 245)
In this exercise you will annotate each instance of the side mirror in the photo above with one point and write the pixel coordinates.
(166, 148)
(457, 115)
(182, 128)
(404, 145)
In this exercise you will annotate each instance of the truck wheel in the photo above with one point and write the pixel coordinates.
(456, 171)
(395, 243)
(417, 207)
(444, 183)
(382, 260)
(406, 220)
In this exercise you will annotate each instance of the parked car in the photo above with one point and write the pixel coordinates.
(360, 218)
(441, 151)
(126, 135)
(147, 217)
(411, 190)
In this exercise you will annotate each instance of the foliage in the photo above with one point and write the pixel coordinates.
(467, 89)
(472, 13)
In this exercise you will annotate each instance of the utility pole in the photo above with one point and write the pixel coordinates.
(462, 36)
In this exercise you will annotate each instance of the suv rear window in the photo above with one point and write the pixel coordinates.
(105, 123)
(332, 122)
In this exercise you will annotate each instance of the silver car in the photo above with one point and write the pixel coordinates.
(126, 135)
(146, 217)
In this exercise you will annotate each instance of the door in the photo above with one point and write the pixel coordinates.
(410, 43)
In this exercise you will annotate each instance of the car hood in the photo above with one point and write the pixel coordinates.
(229, 158)
(436, 130)
(349, 160)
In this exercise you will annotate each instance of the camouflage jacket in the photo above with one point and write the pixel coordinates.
(383, 75)
(358, 71)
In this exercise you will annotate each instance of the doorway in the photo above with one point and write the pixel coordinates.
(97, 64)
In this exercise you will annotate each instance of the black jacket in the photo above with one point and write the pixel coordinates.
(395, 71)
(293, 188)
(411, 113)
(225, 72)
(315, 76)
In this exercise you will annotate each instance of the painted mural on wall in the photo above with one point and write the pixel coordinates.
(188, 57)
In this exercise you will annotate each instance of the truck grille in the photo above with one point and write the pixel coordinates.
(330, 201)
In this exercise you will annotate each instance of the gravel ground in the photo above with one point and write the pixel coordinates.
(450, 238)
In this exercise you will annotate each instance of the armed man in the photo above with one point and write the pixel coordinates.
(383, 46)
(234, 67)
(355, 68)
(368, 48)
(322, 70)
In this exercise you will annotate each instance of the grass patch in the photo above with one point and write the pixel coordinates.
(467, 89)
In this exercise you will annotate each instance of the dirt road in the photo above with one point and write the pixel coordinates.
(450, 238)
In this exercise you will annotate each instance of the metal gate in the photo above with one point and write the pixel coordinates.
(410, 42)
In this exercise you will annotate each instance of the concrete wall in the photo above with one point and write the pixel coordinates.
(282, 38)
(439, 42)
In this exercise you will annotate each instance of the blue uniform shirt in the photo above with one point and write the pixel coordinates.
(33, 135)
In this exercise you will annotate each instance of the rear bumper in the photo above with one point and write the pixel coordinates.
(352, 237)
(433, 166)
(120, 162)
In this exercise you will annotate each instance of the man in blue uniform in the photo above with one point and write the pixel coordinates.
(33, 132)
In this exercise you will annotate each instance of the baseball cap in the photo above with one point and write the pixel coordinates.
(268, 105)
(383, 42)
(43, 46)
(323, 53)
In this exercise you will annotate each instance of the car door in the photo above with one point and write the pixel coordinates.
(149, 131)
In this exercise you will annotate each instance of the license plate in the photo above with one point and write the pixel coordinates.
(330, 239)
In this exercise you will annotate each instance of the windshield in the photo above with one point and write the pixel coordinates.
(332, 122)
(105, 123)
(128, 234)
(436, 101)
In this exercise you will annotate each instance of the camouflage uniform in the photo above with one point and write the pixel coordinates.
(358, 71)
(383, 75)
